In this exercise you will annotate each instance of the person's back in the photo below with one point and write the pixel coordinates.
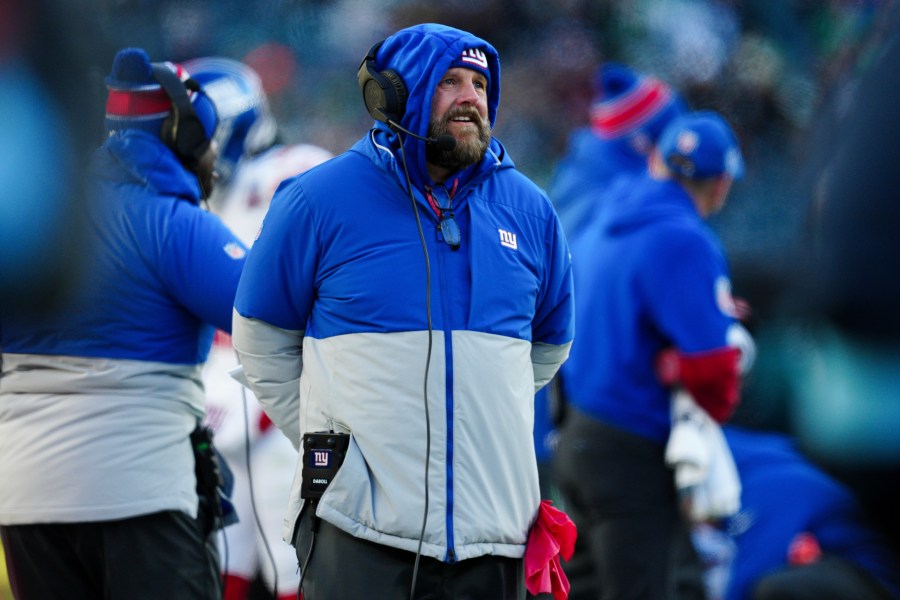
(100, 398)
(634, 255)
(629, 112)
(650, 277)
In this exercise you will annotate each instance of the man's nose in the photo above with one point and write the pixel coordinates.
(467, 94)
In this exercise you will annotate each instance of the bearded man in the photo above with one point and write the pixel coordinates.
(407, 298)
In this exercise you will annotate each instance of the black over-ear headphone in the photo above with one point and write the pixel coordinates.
(383, 91)
(182, 131)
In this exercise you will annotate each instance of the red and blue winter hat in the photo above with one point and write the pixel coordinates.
(137, 101)
(629, 103)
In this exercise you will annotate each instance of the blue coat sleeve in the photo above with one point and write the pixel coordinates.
(554, 320)
(279, 282)
(687, 278)
(201, 264)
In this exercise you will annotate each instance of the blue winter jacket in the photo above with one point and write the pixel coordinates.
(345, 321)
(160, 271)
(587, 172)
(650, 275)
(100, 396)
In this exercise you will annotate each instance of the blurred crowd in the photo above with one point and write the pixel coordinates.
(767, 65)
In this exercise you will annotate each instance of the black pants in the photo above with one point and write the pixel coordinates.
(162, 555)
(632, 541)
(346, 567)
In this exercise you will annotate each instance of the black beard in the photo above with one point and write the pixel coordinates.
(468, 150)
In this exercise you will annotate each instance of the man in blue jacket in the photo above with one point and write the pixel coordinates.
(102, 495)
(413, 294)
(652, 281)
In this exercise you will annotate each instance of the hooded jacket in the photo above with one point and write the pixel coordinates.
(99, 398)
(587, 174)
(348, 318)
(650, 275)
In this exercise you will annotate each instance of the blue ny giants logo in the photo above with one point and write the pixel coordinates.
(321, 458)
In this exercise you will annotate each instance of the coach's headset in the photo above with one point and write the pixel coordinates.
(384, 92)
(182, 131)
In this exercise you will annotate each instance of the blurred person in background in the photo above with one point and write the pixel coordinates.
(412, 294)
(629, 112)
(109, 487)
(800, 534)
(652, 279)
(252, 162)
(46, 136)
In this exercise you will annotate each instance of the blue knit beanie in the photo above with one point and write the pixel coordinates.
(632, 104)
(137, 101)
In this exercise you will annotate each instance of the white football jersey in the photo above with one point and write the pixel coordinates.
(243, 203)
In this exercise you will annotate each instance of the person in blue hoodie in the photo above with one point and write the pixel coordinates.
(652, 283)
(104, 494)
(629, 112)
(412, 294)
(800, 534)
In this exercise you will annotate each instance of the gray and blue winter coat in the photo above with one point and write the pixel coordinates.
(347, 319)
(99, 396)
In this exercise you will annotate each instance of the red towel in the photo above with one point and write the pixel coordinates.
(552, 535)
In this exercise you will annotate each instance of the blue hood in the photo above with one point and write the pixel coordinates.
(131, 154)
(421, 55)
(647, 201)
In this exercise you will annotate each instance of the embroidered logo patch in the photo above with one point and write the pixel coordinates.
(234, 250)
(724, 299)
(687, 141)
(508, 239)
(476, 57)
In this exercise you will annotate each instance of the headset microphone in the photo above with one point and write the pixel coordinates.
(442, 143)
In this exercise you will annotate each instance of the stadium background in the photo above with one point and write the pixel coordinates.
(772, 67)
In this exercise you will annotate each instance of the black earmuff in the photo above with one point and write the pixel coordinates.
(383, 91)
(182, 131)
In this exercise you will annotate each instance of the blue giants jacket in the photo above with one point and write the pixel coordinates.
(342, 323)
(99, 398)
(650, 275)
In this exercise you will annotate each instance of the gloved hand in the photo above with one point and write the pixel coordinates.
(712, 377)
